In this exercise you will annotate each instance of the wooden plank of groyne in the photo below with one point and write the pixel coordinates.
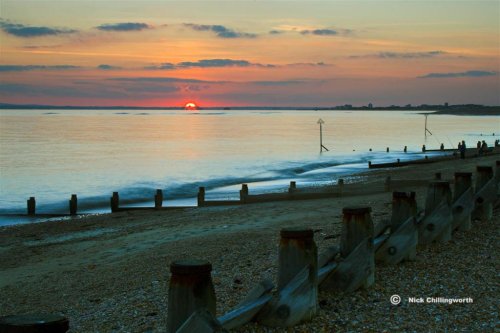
(437, 223)
(462, 209)
(294, 303)
(243, 314)
(201, 321)
(249, 306)
(486, 191)
(353, 272)
(400, 245)
(328, 255)
(34, 323)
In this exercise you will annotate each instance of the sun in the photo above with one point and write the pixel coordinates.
(190, 106)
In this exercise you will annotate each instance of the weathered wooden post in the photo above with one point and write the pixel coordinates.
(201, 196)
(463, 201)
(387, 184)
(190, 289)
(497, 171)
(73, 205)
(340, 184)
(437, 223)
(297, 298)
(423, 149)
(292, 187)
(158, 199)
(405, 149)
(485, 193)
(357, 266)
(115, 202)
(404, 206)
(34, 323)
(297, 250)
(387, 149)
(243, 193)
(403, 239)
(31, 203)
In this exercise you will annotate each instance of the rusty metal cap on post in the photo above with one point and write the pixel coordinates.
(463, 174)
(190, 266)
(37, 322)
(296, 233)
(356, 210)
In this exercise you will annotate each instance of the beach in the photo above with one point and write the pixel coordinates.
(110, 272)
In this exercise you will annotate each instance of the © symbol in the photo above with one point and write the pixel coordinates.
(395, 299)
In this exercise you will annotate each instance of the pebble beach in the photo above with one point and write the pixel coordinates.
(110, 272)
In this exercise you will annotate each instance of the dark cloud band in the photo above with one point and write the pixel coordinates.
(24, 31)
(473, 73)
(126, 26)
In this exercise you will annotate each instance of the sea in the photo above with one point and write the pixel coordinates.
(51, 154)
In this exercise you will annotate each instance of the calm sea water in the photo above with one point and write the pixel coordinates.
(51, 154)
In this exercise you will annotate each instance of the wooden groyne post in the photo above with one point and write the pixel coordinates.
(293, 187)
(437, 223)
(73, 205)
(190, 289)
(340, 185)
(31, 205)
(402, 241)
(297, 296)
(244, 193)
(497, 172)
(158, 199)
(115, 202)
(357, 266)
(201, 196)
(485, 193)
(463, 201)
(34, 323)
(297, 250)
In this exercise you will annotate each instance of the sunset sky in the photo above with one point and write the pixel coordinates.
(242, 53)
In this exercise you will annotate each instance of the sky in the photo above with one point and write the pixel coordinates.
(249, 53)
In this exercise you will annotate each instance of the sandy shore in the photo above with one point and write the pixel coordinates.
(110, 273)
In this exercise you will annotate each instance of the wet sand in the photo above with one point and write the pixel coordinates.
(110, 272)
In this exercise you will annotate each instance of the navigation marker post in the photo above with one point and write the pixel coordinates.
(426, 130)
(321, 147)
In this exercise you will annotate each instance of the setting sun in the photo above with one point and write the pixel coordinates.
(190, 106)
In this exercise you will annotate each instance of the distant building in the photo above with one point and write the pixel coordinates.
(370, 106)
(408, 105)
(446, 104)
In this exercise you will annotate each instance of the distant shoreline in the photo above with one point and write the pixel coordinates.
(462, 109)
